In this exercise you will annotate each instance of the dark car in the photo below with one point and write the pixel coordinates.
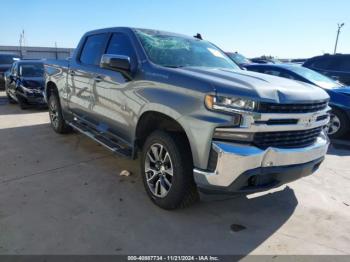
(238, 58)
(339, 95)
(335, 66)
(24, 83)
(6, 61)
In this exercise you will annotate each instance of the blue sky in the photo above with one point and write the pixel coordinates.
(292, 28)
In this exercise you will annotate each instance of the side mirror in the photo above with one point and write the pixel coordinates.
(115, 62)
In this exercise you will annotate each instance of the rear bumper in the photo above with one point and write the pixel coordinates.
(246, 168)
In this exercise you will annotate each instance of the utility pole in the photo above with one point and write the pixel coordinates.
(21, 43)
(338, 32)
(56, 51)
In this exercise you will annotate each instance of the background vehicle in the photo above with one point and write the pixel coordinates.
(335, 66)
(239, 59)
(339, 95)
(265, 60)
(6, 61)
(198, 119)
(24, 83)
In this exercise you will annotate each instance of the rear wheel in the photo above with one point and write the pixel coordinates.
(56, 118)
(338, 125)
(167, 171)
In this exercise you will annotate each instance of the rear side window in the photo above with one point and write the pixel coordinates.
(93, 49)
(120, 44)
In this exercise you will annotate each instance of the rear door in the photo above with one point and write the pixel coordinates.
(110, 91)
(81, 76)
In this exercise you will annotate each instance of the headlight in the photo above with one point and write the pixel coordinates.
(229, 104)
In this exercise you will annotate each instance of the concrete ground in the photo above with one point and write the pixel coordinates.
(62, 194)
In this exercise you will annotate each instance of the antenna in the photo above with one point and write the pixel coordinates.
(198, 36)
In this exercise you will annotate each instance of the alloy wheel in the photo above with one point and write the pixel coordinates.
(334, 124)
(53, 111)
(159, 170)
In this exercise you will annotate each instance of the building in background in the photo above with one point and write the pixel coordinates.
(31, 52)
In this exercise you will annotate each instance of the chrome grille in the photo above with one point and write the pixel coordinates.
(287, 139)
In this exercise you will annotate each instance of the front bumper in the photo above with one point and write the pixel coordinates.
(246, 168)
(36, 97)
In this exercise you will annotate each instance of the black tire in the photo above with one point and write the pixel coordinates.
(10, 99)
(344, 124)
(183, 191)
(58, 124)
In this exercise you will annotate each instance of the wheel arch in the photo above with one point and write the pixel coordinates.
(151, 121)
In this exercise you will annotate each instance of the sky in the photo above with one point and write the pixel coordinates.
(285, 29)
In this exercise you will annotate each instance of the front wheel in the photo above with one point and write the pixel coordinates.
(10, 99)
(58, 123)
(338, 125)
(168, 170)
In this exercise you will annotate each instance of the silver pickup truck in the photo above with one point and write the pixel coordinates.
(194, 118)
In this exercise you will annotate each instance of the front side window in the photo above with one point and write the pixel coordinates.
(93, 49)
(31, 70)
(120, 44)
(172, 50)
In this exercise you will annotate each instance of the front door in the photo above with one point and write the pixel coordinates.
(110, 90)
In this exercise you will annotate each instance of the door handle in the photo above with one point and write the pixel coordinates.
(97, 79)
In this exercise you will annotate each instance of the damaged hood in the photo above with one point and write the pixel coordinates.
(257, 86)
(33, 82)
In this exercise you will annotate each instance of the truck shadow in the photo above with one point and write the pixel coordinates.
(339, 148)
(53, 178)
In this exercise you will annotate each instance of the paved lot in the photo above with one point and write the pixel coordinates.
(64, 195)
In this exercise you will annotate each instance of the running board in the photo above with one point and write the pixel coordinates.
(115, 146)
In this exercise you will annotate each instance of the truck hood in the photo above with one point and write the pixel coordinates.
(343, 90)
(257, 86)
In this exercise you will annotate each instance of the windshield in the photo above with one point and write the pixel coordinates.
(7, 59)
(238, 58)
(31, 70)
(170, 50)
(315, 77)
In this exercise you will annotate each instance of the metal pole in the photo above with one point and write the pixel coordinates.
(56, 51)
(336, 41)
